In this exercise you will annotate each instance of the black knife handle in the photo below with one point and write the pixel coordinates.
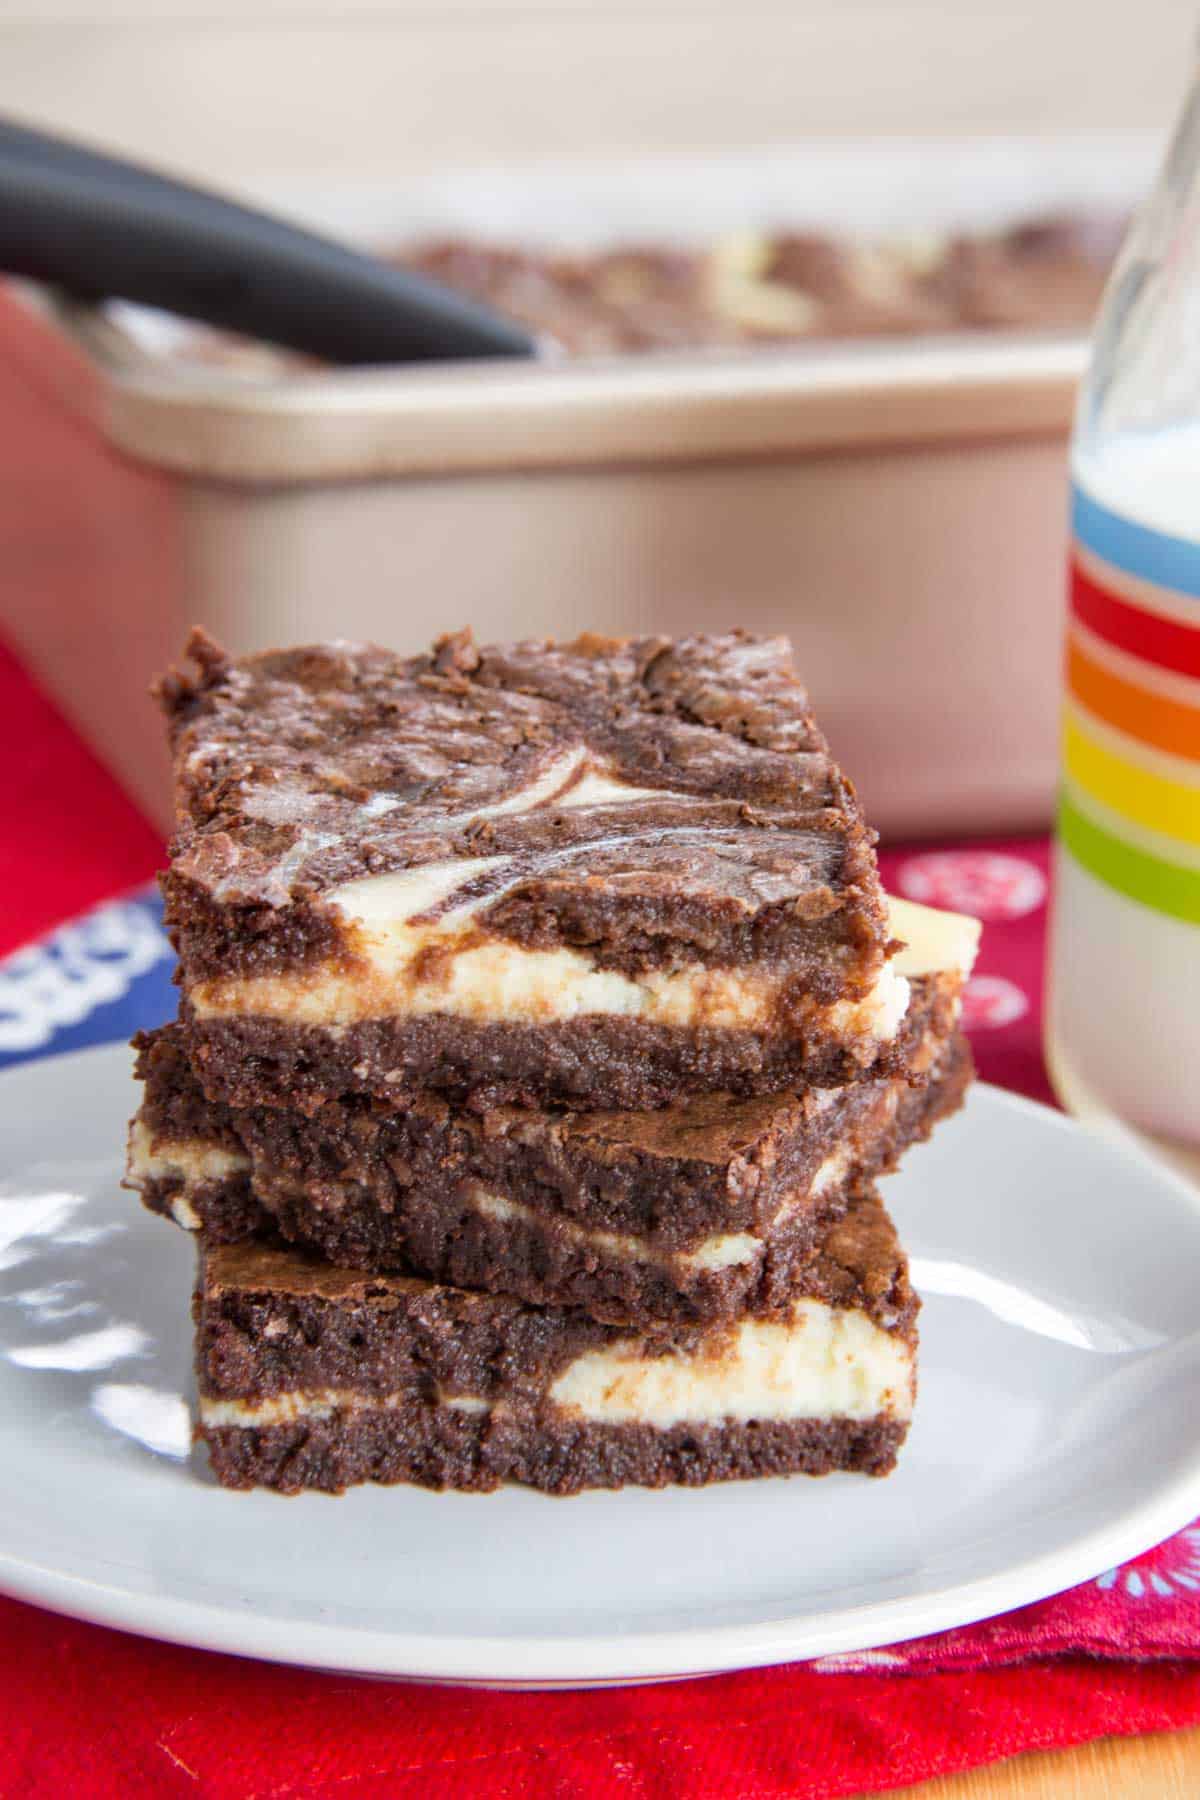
(102, 228)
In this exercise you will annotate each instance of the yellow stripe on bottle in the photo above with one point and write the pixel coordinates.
(1149, 799)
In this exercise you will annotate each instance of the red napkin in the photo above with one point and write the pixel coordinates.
(88, 1711)
(68, 835)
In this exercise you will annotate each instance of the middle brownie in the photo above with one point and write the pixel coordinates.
(699, 1212)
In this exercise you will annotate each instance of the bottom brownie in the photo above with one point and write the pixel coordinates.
(311, 1376)
(439, 1449)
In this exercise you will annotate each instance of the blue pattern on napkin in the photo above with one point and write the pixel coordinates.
(96, 980)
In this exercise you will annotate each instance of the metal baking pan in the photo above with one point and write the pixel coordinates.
(898, 508)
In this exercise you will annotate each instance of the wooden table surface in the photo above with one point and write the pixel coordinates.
(1163, 1767)
(36, 562)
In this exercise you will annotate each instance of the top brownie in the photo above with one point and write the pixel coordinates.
(379, 859)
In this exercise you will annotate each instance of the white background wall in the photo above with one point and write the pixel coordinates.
(273, 88)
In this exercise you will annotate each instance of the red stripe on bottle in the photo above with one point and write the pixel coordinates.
(1165, 642)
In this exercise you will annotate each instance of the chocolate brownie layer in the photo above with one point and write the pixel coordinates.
(598, 1061)
(674, 1176)
(701, 1211)
(310, 1375)
(435, 1447)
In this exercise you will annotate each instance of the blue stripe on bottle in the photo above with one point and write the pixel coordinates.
(1169, 562)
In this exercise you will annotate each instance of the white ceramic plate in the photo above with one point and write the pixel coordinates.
(1054, 1438)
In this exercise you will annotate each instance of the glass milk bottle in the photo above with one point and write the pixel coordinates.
(1123, 1015)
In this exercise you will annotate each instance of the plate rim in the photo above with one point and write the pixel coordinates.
(642, 1656)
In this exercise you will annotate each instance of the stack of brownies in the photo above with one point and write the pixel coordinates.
(544, 1029)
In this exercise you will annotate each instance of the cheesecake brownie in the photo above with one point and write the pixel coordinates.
(316, 1377)
(1042, 274)
(786, 285)
(602, 873)
(792, 285)
(703, 1210)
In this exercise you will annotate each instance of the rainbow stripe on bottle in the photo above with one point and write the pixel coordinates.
(1130, 806)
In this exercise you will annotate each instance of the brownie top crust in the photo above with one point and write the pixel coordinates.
(651, 801)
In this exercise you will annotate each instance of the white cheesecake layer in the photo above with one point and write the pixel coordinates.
(822, 1363)
(572, 781)
(933, 940)
(404, 964)
(191, 1160)
(721, 1251)
(596, 788)
(412, 972)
